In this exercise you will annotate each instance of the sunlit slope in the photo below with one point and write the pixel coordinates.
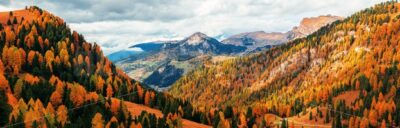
(359, 53)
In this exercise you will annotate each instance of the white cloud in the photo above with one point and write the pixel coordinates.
(119, 24)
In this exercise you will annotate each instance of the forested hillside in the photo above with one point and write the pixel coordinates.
(344, 75)
(52, 77)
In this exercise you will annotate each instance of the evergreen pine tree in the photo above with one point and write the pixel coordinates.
(284, 124)
(337, 122)
(216, 119)
(20, 118)
(114, 125)
(203, 118)
(250, 118)
(249, 113)
(228, 113)
(5, 109)
(234, 123)
(34, 124)
(251, 121)
(15, 21)
(145, 123)
(327, 116)
(161, 123)
(263, 123)
(9, 22)
(121, 115)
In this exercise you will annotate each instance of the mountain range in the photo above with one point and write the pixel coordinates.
(260, 40)
(163, 62)
(346, 74)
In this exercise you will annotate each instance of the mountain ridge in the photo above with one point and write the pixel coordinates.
(176, 57)
(256, 41)
(185, 51)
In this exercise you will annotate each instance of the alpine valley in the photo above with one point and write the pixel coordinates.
(161, 63)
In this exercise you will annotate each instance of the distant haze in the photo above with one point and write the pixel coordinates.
(117, 24)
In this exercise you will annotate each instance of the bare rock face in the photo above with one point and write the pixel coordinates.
(309, 25)
(197, 38)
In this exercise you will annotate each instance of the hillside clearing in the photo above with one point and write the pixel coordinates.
(136, 109)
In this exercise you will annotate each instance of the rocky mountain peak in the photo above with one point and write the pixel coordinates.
(196, 38)
(311, 24)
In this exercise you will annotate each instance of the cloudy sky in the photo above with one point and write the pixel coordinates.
(117, 24)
